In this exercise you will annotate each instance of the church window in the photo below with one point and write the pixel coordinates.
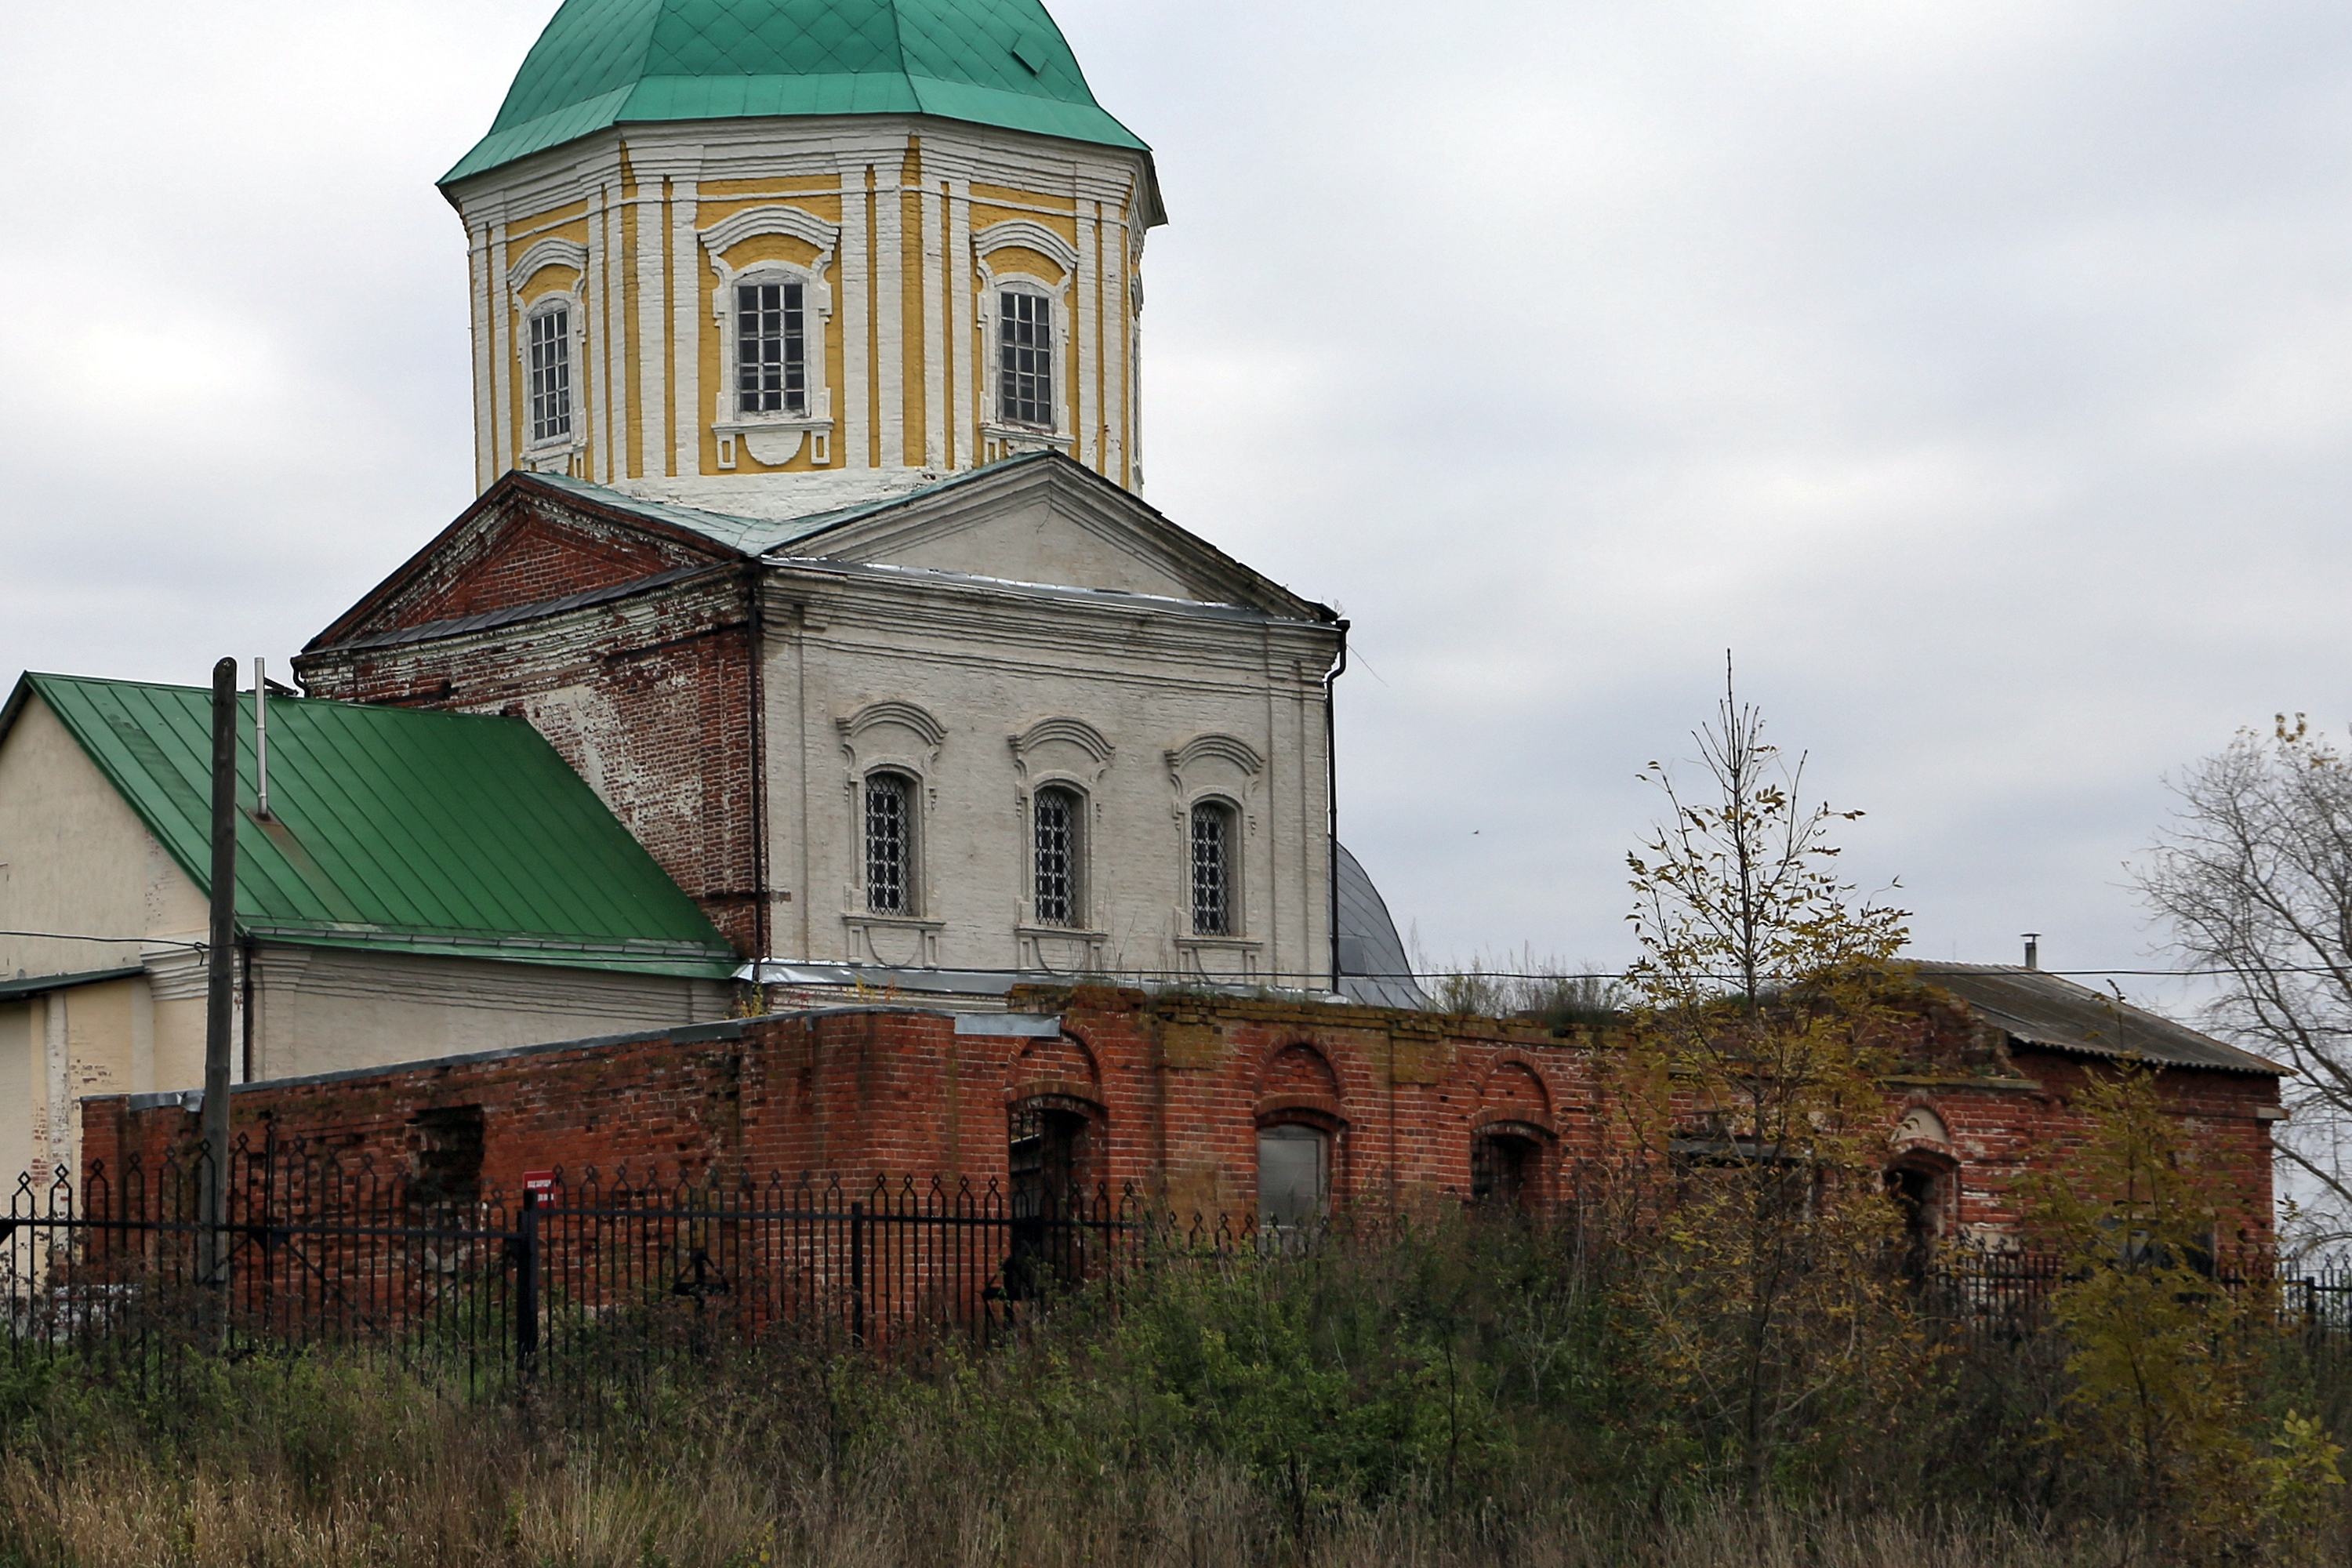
(1060, 818)
(551, 374)
(1024, 346)
(1212, 869)
(890, 844)
(770, 349)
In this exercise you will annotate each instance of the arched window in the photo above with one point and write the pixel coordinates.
(890, 880)
(771, 348)
(1059, 829)
(1212, 869)
(1024, 368)
(1293, 1166)
(550, 372)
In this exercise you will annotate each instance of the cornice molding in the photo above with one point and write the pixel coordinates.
(794, 222)
(1031, 234)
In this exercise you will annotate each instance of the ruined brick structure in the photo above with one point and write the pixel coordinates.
(1177, 1095)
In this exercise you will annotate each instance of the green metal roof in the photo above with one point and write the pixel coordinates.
(394, 830)
(606, 62)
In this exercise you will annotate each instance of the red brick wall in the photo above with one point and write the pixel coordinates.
(1181, 1088)
(648, 697)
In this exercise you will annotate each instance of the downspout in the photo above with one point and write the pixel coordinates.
(762, 944)
(1331, 796)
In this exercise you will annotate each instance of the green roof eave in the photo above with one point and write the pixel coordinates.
(691, 964)
(671, 99)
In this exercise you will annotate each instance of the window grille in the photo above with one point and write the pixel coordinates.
(1213, 871)
(889, 843)
(1057, 818)
(1025, 359)
(770, 349)
(551, 374)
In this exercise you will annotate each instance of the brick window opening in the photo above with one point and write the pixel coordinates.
(889, 844)
(445, 1170)
(770, 349)
(1212, 869)
(551, 374)
(1293, 1168)
(1060, 819)
(1505, 1170)
(1024, 371)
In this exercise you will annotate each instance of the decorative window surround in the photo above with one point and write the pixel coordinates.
(773, 439)
(1000, 438)
(903, 739)
(1074, 755)
(565, 451)
(1222, 770)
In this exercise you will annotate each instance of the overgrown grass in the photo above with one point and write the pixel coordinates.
(1458, 1395)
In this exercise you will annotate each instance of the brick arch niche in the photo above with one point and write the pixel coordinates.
(1513, 1139)
(1058, 1131)
(1923, 1179)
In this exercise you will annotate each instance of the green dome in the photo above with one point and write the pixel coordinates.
(604, 62)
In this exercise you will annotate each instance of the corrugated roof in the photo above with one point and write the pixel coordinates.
(2040, 1008)
(606, 62)
(394, 830)
(1373, 968)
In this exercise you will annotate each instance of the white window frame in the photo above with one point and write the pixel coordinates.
(1236, 921)
(1081, 912)
(574, 404)
(910, 869)
(999, 438)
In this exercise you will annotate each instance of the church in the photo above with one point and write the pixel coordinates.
(808, 425)
(809, 632)
(810, 641)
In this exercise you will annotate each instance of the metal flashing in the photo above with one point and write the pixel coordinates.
(35, 985)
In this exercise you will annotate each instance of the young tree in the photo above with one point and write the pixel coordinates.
(2162, 1344)
(2254, 876)
(1750, 1091)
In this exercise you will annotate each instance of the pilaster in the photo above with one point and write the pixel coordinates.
(685, 353)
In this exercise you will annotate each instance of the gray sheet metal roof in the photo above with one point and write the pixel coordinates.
(1373, 968)
(2039, 1008)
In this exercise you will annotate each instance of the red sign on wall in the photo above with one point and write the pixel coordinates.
(539, 1181)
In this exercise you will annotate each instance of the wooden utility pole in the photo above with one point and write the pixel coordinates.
(220, 976)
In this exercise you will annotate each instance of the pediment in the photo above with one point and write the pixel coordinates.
(1049, 521)
(522, 543)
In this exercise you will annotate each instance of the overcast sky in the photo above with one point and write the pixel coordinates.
(1976, 372)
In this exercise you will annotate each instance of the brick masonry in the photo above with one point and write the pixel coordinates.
(1173, 1090)
(649, 693)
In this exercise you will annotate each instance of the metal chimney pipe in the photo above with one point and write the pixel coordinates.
(2034, 949)
(261, 738)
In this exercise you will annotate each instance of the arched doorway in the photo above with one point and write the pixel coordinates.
(1053, 1149)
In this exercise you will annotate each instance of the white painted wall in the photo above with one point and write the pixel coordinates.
(987, 663)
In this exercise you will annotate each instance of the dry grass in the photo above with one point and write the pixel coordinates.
(438, 1485)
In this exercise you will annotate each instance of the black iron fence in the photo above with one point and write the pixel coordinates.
(589, 1274)
(579, 1271)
